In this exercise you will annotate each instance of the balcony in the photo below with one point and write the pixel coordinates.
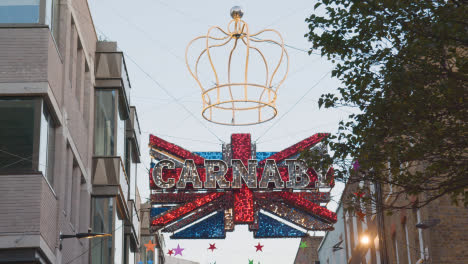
(109, 179)
(27, 202)
(111, 71)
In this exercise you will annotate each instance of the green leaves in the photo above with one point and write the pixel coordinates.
(404, 65)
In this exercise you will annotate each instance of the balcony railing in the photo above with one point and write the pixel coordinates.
(111, 71)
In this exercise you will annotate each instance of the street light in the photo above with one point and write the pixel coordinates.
(82, 235)
(365, 240)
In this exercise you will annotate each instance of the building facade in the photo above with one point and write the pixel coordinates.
(309, 253)
(157, 255)
(435, 233)
(69, 138)
(332, 248)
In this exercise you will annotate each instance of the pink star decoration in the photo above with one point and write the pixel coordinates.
(178, 250)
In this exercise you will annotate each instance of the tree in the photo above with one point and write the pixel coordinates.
(403, 66)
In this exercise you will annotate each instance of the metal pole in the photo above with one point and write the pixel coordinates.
(380, 225)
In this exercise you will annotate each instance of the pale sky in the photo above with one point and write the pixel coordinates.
(155, 33)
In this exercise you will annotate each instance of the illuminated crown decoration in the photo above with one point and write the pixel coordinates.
(251, 97)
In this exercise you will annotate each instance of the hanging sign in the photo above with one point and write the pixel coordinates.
(216, 174)
(234, 187)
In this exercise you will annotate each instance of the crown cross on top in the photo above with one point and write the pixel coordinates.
(243, 81)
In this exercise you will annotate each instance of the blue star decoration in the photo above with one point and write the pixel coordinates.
(147, 262)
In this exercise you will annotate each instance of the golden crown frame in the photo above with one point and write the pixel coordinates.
(244, 97)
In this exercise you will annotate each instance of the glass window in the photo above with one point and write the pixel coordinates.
(29, 12)
(17, 128)
(53, 8)
(105, 123)
(19, 11)
(121, 148)
(47, 146)
(27, 137)
(102, 222)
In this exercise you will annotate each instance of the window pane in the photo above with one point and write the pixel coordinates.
(46, 146)
(118, 237)
(101, 248)
(16, 134)
(52, 16)
(19, 11)
(105, 123)
(121, 137)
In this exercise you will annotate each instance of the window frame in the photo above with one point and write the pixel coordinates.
(42, 19)
(41, 112)
(113, 145)
(113, 201)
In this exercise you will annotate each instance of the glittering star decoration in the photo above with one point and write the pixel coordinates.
(359, 194)
(303, 244)
(356, 165)
(150, 246)
(259, 247)
(360, 215)
(212, 247)
(178, 250)
(170, 252)
(238, 205)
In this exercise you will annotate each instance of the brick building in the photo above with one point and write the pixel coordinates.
(69, 138)
(435, 233)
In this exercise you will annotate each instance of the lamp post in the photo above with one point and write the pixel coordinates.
(82, 235)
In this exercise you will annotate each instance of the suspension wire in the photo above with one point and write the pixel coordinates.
(172, 96)
(150, 37)
(159, 84)
(97, 244)
(183, 138)
(295, 104)
(289, 46)
(272, 23)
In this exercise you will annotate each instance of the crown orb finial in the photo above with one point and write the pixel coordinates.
(237, 12)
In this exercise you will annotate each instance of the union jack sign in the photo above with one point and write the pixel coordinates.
(205, 194)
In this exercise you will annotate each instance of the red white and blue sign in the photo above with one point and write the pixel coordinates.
(205, 194)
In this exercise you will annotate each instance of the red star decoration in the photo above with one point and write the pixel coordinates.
(170, 252)
(359, 194)
(360, 215)
(212, 247)
(259, 247)
(244, 202)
